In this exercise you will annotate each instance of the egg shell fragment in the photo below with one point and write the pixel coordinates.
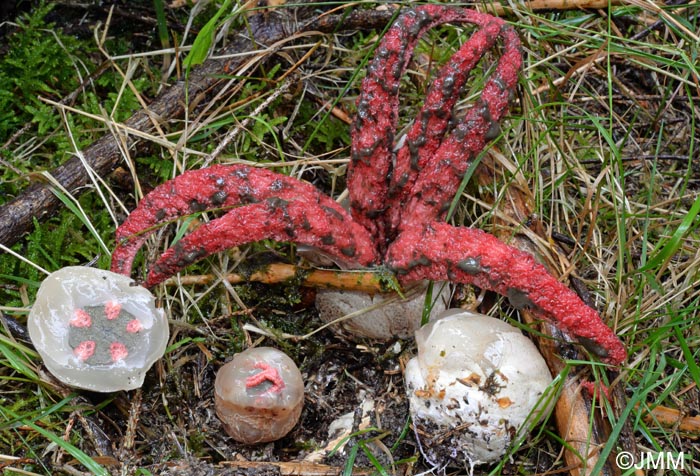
(73, 294)
(475, 382)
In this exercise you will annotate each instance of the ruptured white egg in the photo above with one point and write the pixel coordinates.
(473, 385)
(96, 329)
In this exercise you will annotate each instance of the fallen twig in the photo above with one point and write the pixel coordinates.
(364, 281)
(104, 154)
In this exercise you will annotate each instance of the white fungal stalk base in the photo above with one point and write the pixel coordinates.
(379, 316)
(475, 382)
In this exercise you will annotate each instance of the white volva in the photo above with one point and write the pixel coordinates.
(379, 316)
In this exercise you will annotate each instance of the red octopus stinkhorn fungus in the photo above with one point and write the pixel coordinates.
(398, 201)
(259, 395)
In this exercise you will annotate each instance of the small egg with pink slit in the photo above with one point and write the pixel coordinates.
(259, 395)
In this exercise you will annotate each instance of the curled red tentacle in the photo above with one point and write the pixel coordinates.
(370, 171)
(426, 137)
(442, 252)
(438, 181)
(215, 187)
(328, 228)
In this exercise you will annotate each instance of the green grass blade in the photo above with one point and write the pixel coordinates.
(690, 359)
(373, 459)
(74, 207)
(204, 40)
(159, 7)
(674, 242)
(13, 353)
(76, 453)
(350, 463)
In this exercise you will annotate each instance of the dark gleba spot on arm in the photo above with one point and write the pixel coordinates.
(519, 299)
(471, 266)
(493, 131)
(421, 261)
(241, 173)
(218, 198)
(186, 256)
(593, 347)
(334, 213)
(276, 203)
(277, 185)
(197, 206)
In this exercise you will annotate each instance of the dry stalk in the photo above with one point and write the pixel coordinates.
(364, 281)
(672, 418)
(499, 9)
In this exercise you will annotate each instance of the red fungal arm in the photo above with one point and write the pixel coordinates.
(216, 187)
(424, 142)
(438, 181)
(328, 228)
(268, 374)
(377, 109)
(442, 252)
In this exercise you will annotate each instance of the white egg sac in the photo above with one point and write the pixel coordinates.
(475, 382)
(259, 395)
(96, 329)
